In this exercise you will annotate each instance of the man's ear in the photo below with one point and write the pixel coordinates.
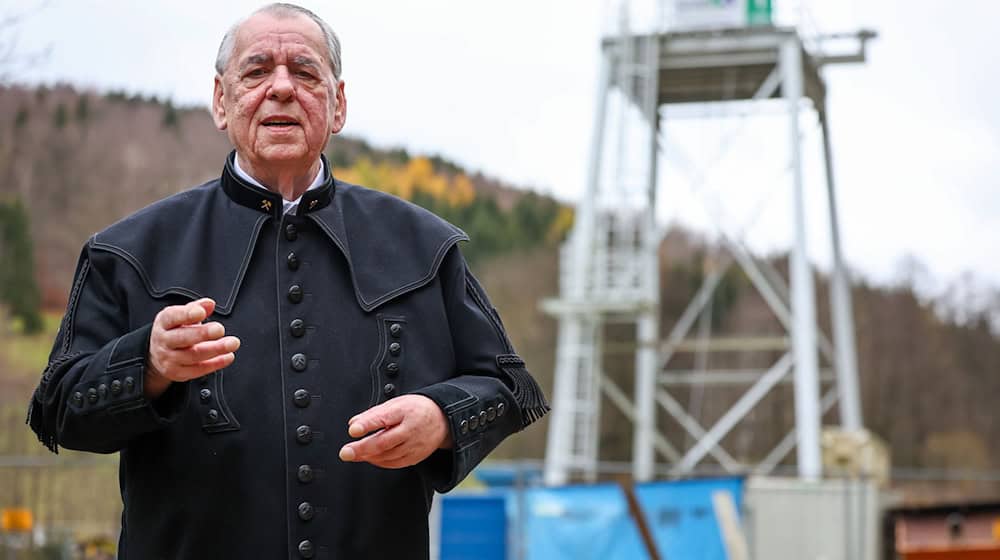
(218, 109)
(339, 109)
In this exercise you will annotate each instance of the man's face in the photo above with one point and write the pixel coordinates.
(278, 98)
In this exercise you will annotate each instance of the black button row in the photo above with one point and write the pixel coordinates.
(101, 392)
(205, 396)
(482, 418)
(301, 397)
(395, 349)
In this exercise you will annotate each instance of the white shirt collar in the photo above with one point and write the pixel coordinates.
(287, 205)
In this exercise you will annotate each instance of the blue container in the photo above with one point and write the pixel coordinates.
(474, 527)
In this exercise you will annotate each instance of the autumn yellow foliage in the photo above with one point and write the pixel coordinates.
(406, 180)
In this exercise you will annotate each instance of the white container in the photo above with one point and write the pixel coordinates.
(792, 519)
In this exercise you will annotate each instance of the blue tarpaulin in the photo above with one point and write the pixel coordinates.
(580, 523)
(587, 522)
(682, 519)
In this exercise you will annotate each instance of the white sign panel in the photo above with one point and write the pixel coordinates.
(707, 14)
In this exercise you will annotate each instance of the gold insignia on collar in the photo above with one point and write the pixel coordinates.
(265, 205)
(312, 203)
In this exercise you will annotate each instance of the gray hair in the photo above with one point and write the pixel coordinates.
(281, 10)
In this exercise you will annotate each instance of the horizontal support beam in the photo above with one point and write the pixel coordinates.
(680, 43)
(560, 307)
(855, 58)
(734, 344)
(674, 377)
(719, 60)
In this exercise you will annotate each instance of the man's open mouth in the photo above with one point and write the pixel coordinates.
(280, 122)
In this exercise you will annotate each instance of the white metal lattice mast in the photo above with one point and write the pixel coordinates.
(609, 269)
(609, 265)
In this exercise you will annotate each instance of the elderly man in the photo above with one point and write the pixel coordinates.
(289, 364)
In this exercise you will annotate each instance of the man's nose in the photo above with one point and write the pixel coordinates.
(282, 87)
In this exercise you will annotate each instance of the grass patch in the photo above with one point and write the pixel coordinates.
(28, 354)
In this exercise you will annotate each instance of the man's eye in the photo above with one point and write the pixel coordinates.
(256, 73)
(306, 75)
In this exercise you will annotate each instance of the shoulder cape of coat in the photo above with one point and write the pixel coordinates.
(390, 245)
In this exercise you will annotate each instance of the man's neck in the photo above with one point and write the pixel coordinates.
(290, 182)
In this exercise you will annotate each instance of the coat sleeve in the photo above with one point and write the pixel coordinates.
(90, 396)
(491, 394)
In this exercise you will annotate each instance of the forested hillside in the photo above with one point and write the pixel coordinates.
(76, 162)
(73, 162)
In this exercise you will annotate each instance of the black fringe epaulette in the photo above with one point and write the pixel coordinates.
(527, 393)
(44, 425)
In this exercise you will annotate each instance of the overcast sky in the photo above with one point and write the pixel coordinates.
(508, 88)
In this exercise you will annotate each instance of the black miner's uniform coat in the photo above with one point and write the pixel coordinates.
(355, 298)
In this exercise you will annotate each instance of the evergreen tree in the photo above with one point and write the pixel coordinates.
(18, 289)
(60, 117)
(170, 116)
(82, 108)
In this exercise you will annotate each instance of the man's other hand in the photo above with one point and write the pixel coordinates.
(181, 347)
(401, 432)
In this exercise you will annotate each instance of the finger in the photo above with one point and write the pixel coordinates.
(394, 460)
(384, 415)
(208, 304)
(186, 336)
(186, 373)
(206, 351)
(373, 445)
(171, 316)
(176, 315)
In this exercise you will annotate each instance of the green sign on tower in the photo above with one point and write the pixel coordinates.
(758, 12)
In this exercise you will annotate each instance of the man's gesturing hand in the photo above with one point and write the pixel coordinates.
(181, 347)
(407, 429)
